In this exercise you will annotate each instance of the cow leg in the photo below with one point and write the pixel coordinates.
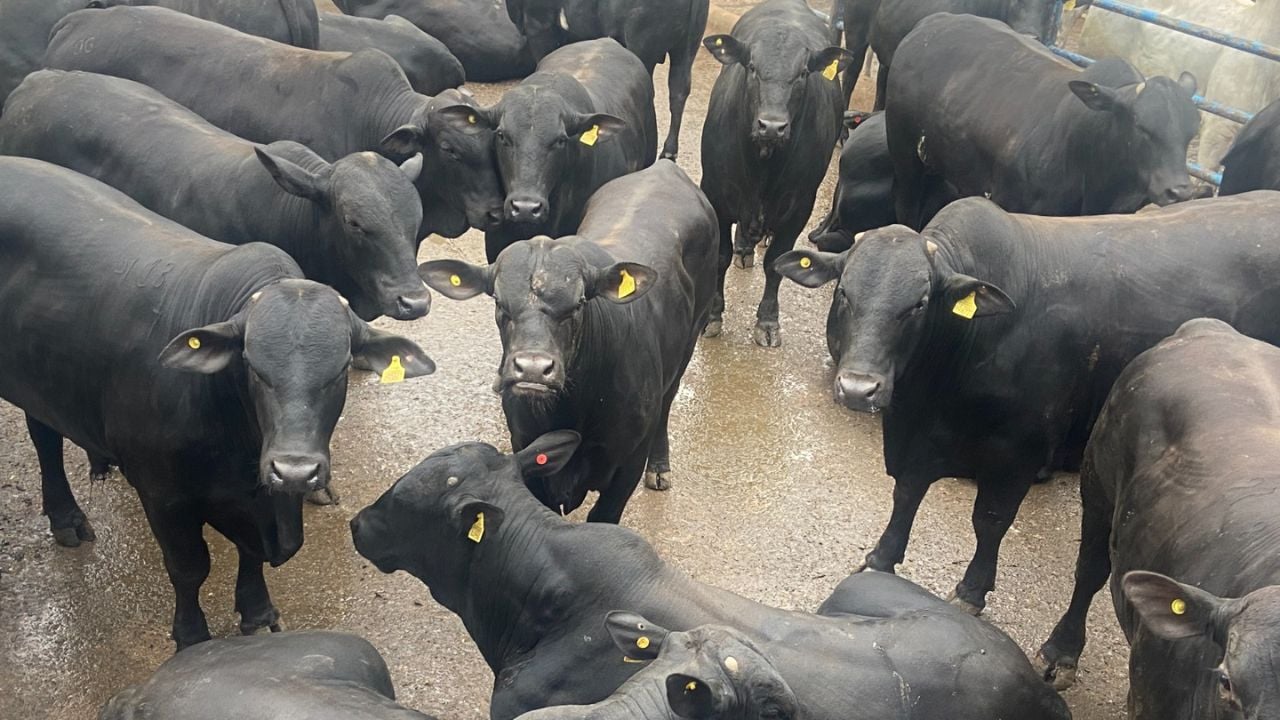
(908, 493)
(253, 601)
(679, 84)
(715, 319)
(613, 499)
(178, 529)
(882, 86)
(66, 520)
(997, 505)
(849, 82)
(768, 331)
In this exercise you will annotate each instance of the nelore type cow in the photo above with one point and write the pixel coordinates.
(292, 22)
(653, 30)
(333, 103)
(1253, 162)
(538, 595)
(479, 32)
(24, 34)
(864, 191)
(990, 340)
(773, 120)
(1179, 481)
(426, 61)
(597, 329)
(212, 375)
(316, 675)
(1067, 141)
(352, 224)
(584, 118)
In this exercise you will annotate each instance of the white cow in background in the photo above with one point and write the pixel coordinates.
(1228, 76)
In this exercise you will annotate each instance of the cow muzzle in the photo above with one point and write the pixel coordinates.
(533, 373)
(526, 209)
(771, 130)
(1175, 194)
(365, 536)
(295, 473)
(862, 392)
(412, 305)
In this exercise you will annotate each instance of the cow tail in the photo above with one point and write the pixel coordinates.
(304, 23)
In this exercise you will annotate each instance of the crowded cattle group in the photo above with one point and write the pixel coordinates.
(205, 203)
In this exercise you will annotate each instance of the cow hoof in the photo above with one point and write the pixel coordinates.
(745, 260)
(270, 619)
(657, 481)
(80, 531)
(97, 477)
(666, 155)
(323, 496)
(713, 328)
(965, 605)
(1061, 674)
(768, 334)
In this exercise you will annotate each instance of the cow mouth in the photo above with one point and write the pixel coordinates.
(526, 387)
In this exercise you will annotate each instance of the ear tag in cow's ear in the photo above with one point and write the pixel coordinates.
(476, 533)
(642, 642)
(967, 306)
(1178, 606)
(805, 263)
(590, 137)
(394, 372)
(1069, 6)
(832, 70)
(471, 119)
(454, 280)
(541, 459)
(691, 686)
(626, 286)
(193, 342)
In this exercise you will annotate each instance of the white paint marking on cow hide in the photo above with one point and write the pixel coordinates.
(564, 21)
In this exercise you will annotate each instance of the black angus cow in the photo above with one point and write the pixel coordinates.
(535, 592)
(292, 22)
(333, 103)
(426, 61)
(24, 34)
(852, 19)
(625, 298)
(1180, 478)
(772, 123)
(864, 192)
(212, 375)
(990, 340)
(976, 109)
(317, 675)
(584, 118)
(1253, 162)
(653, 30)
(352, 224)
(478, 32)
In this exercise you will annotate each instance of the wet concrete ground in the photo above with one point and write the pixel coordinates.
(779, 494)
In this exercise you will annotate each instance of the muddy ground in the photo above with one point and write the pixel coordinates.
(779, 494)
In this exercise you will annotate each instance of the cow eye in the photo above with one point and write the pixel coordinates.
(354, 225)
(560, 141)
(751, 68)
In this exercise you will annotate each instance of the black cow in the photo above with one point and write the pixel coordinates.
(534, 592)
(653, 30)
(334, 103)
(292, 22)
(478, 32)
(1253, 162)
(24, 34)
(773, 120)
(853, 18)
(864, 193)
(991, 340)
(426, 61)
(352, 225)
(1180, 478)
(317, 675)
(584, 118)
(1048, 139)
(624, 298)
(210, 374)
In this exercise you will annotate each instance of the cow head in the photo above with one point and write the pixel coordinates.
(780, 70)
(542, 288)
(1153, 122)
(369, 213)
(1038, 18)
(1247, 630)
(435, 517)
(890, 287)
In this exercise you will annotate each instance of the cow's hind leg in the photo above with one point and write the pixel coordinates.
(768, 331)
(66, 520)
(613, 499)
(186, 558)
(908, 493)
(993, 512)
(715, 319)
(679, 85)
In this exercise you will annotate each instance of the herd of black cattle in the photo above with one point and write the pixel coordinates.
(202, 206)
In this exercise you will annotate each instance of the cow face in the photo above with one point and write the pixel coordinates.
(1247, 630)
(542, 288)
(293, 343)
(370, 215)
(780, 71)
(432, 521)
(890, 288)
(1038, 18)
(1155, 122)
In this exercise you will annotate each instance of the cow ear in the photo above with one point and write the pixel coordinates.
(205, 350)
(970, 297)
(1187, 82)
(404, 140)
(727, 49)
(621, 283)
(457, 280)
(465, 119)
(810, 269)
(1173, 610)
(691, 697)
(378, 350)
(295, 179)
(854, 118)
(548, 454)
(476, 520)
(1094, 96)
(830, 61)
(598, 127)
(412, 167)
(637, 638)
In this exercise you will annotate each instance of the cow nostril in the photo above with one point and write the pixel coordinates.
(284, 472)
(413, 307)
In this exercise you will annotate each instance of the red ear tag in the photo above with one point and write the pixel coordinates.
(541, 459)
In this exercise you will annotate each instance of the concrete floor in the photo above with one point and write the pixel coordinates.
(779, 493)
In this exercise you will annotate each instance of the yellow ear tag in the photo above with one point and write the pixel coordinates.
(454, 280)
(693, 685)
(1178, 606)
(642, 642)
(832, 70)
(1069, 6)
(394, 372)
(627, 286)
(967, 306)
(590, 137)
(719, 42)
(193, 342)
(471, 119)
(805, 262)
(476, 533)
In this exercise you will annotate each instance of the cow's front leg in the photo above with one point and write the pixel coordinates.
(768, 331)
(66, 520)
(178, 529)
(993, 512)
(253, 601)
(908, 493)
(613, 499)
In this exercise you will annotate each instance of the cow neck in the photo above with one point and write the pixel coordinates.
(1086, 152)
(404, 108)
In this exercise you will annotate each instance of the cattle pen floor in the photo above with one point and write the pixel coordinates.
(778, 495)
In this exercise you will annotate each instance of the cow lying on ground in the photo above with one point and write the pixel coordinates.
(1180, 478)
(426, 61)
(292, 22)
(1253, 162)
(773, 120)
(212, 375)
(990, 340)
(597, 330)
(316, 675)
(352, 225)
(534, 592)
(864, 191)
(333, 103)
(1048, 139)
